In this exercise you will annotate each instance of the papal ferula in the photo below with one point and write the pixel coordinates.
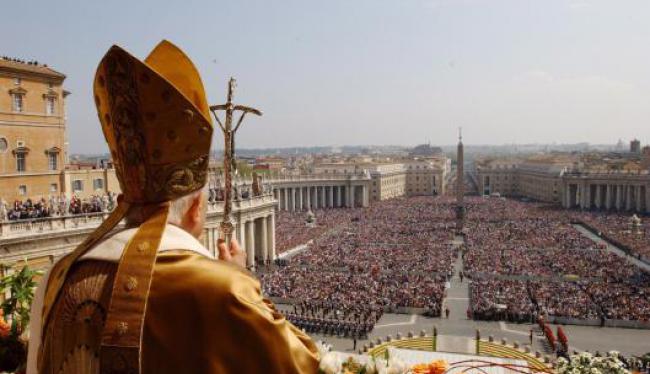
(151, 298)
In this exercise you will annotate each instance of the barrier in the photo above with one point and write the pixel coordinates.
(573, 321)
(422, 343)
(486, 348)
(645, 325)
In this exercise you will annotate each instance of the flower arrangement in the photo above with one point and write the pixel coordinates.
(585, 363)
(341, 363)
(434, 367)
(14, 318)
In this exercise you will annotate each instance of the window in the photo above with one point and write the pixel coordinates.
(17, 81)
(54, 187)
(18, 102)
(98, 184)
(21, 164)
(3, 145)
(22, 190)
(52, 159)
(77, 185)
(50, 106)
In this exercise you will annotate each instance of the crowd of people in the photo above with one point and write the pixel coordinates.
(56, 206)
(392, 256)
(524, 260)
(528, 259)
(325, 317)
(292, 228)
(620, 228)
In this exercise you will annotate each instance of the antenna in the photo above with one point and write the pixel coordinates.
(460, 133)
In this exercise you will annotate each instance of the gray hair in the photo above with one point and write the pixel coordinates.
(180, 206)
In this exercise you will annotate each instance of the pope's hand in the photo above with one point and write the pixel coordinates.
(234, 254)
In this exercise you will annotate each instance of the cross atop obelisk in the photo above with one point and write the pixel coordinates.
(229, 162)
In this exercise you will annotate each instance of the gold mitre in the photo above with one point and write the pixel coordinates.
(156, 122)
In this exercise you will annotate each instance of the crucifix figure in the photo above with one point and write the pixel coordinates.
(229, 163)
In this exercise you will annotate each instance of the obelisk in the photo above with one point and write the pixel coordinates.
(460, 186)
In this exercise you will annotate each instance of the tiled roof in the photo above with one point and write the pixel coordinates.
(19, 66)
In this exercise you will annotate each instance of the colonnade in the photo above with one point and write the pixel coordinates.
(608, 196)
(256, 235)
(305, 197)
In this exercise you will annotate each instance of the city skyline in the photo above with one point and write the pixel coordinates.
(380, 72)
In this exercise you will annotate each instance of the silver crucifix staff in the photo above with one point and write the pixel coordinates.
(229, 152)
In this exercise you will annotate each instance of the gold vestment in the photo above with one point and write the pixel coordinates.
(203, 316)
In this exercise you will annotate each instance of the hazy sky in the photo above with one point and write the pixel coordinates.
(333, 72)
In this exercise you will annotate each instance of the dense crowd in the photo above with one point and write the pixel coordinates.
(528, 259)
(619, 228)
(393, 255)
(291, 228)
(56, 206)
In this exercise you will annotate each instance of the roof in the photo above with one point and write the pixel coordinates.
(29, 67)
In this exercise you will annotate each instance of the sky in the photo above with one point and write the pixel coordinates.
(370, 72)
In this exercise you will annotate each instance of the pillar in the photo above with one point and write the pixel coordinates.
(608, 197)
(323, 197)
(637, 190)
(240, 234)
(308, 198)
(629, 198)
(293, 199)
(330, 201)
(366, 196)
(619, 197)
(250, 244)
(314, 197)
(350, 196)
(264, 237)
(300, 208)
(286, 199)
(566, 200)
(338, 196)
(598, 197)
(270, 237)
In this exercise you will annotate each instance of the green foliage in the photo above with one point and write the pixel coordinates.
(20, 287)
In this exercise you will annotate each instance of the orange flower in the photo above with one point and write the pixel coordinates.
(434, 367)
(4, 327)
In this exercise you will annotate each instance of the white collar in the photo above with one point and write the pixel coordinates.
(173, 238)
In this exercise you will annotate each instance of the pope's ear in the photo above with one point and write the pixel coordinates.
(196, 209)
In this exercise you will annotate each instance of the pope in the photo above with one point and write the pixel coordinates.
(148, 297)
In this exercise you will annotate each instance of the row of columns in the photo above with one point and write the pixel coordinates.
(624, 197)
(301, 198)
(256, 236)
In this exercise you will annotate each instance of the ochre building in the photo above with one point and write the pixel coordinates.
(33, 145)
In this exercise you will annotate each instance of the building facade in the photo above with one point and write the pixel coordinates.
(401, 177)
(607, 184)
(33, 149)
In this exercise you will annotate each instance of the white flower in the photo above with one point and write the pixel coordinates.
(330, 363)
(396, 366)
